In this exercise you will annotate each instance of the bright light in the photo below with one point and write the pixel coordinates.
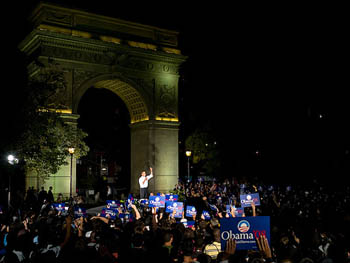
(12, 159)
(71, 150)
(188, 153)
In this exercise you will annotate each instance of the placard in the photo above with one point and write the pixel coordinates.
(188, 224)
(246, 200)
(206, 215)
(171, 197)
(245, 230)
(59, 206)
(191, 211)
(177, 206)
(109, 212)
(239, 211)
(113, 203)
(79, 212)
(156, 201)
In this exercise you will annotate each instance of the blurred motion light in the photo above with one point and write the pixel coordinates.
(12, 159)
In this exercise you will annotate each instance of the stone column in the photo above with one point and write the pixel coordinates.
(155, 144)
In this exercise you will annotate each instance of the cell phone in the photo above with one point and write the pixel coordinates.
(36, 240)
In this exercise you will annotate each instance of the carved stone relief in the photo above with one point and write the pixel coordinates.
(166, 101)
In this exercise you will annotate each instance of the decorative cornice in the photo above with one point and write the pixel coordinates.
(56, 45)
(74, 19)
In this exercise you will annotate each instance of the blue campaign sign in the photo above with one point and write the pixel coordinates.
(213, 207)
(171, 197)
(126, 217)
(131, 198)
(156, 201)
(188, 224)
(246, 200)
(59, 207)
(113, 203)
(239, 211)
(143, 202)
(177, 206)
(206, 215)
(79, 212)
(191, 211)
(109, 212)
(245, 230)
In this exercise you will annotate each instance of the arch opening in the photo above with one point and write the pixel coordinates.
(129, 95)
(106, 118)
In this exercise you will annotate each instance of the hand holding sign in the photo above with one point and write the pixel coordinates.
(230, 246)
(263, 245)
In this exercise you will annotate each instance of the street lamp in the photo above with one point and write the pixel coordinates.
(188, 154)
(71, 152)
(11, 160)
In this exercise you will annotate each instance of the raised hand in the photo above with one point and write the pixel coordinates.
(263, 245)
(230, 246)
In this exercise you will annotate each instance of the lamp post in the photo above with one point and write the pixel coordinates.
(11, 160)
(188, 154)
(71, 152)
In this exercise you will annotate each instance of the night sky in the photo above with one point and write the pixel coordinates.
(271, 79)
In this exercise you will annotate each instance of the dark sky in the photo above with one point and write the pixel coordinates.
(267, 78)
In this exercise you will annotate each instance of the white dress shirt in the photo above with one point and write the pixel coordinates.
(142, 179)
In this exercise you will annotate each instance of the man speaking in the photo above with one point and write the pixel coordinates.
(143, 181)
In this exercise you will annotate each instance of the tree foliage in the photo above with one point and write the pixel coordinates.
(204, 151)
(44, 143)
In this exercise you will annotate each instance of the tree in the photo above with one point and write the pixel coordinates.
(205, 151)
(44, 142)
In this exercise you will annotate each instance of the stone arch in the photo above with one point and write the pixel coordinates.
(139, 63)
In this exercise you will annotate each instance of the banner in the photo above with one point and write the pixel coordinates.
(156, 201)
(245, 230)
(246, 200)
(177, 206)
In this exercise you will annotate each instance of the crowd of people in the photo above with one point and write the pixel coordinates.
(308, 224)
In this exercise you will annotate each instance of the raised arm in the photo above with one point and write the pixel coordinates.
(68, 231)
(103, 219)
(253, 208)
(137, 213)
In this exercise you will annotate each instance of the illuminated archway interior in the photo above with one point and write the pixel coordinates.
(132, 99)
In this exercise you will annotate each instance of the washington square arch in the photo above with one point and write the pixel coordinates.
(139, 63)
